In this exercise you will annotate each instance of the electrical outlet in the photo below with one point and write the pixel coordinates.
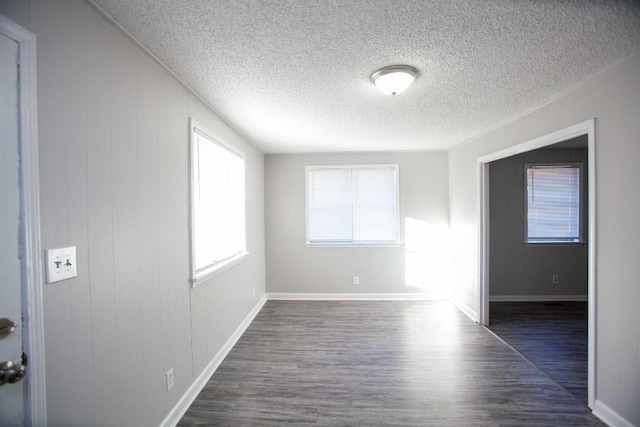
(170, 379)
(356, 280)
(555, 279)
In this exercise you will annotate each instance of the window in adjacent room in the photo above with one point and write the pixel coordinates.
(352, 205)
(553, 203)
(217, 228)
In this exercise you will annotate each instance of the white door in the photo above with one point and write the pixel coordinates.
(11, 394)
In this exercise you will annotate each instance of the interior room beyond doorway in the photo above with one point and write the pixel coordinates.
(539, 285)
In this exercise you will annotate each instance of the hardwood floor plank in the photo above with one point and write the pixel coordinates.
(553, 335)
(402, 363)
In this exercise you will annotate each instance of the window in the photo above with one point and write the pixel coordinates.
(352, 205)
(217, 204)
(554, 203)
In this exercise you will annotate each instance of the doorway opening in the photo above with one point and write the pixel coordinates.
(572, 138)
(538, 258)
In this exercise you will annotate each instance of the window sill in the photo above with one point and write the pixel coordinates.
(215, 269)
(555, 243)
(354, 245)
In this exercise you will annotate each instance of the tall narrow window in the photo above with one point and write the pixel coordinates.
(352, 205)
(553, 203)
(217, 204)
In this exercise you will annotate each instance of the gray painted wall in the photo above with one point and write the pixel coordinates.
(127, 214)
(114, 182)
(614, 99)
(417, 267)
(519, 271)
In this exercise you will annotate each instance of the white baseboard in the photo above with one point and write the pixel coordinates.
(609, 416)
(187, 399)
(465, 309)
(351, 297)
(537, 298)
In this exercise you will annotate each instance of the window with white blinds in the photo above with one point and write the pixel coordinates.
(553, 203)
(217, 204)
(352, 205)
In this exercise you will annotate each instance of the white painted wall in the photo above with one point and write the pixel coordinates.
(114, 182)
(417, 267)
(519, 271)
(614, 99)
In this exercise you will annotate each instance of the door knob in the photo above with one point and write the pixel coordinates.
(7, 327)
(11, 372)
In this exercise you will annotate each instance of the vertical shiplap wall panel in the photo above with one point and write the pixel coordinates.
(107, 392)
(52, 100)
(114, 183)
(162, 249)
(226, 284)
(168, 312)
(124, 196)
(54, 198)
(199, 329)
(148, 173)
(80, 310)
(175, 176)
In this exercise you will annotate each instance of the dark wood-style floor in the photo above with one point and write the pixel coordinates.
(553, 335)
(367, 363)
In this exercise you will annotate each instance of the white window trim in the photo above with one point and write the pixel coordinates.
(217, 268)
(358, 244)
(361, 244)
(199, 276)
(580, 167)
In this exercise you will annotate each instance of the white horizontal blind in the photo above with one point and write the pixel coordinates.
(353, 205)
(553, 204)
(218, 203)
(374, 205)
(330, 205)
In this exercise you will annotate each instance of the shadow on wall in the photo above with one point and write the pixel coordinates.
(427, 255)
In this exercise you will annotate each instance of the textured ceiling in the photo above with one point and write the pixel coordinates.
(293, 75)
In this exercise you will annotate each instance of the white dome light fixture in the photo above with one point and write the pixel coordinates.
(395, 79)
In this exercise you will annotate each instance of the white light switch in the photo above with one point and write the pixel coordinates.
(60, 264)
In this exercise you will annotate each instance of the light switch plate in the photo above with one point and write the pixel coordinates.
(60, 264)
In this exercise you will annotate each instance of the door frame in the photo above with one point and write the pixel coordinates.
(584, 128)
(35, 408)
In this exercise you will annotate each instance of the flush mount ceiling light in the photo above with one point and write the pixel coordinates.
(395, 79)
